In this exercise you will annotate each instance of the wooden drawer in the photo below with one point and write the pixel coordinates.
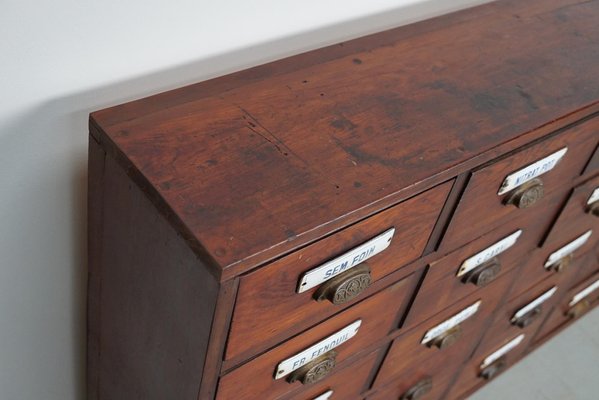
(346, 384)
(523, 314)
(408, 350)
(275, 287)
(489, 363)
(474, 265)
(426, 381)
(573, 305)
(574, 264)
(580, 214)
(484, 204)
(379, 315)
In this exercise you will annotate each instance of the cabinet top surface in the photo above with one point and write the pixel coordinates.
(257, 163)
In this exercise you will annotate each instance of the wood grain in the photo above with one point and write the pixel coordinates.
(441, 286)
(407, 351)
(311, 149)
(150, 297)
(379, 314)
(346, 384)
(471, 220)
(289, 312)
(574, 219)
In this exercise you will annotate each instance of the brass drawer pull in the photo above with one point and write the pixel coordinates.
(447, 338)
(593, 203)
(527, 195)
(495, 368)
(578, 309)
(346, 286)
(593, 209)
(315, 370)
(563, 264)
(484, 273)
(528, 318)
(418, 390)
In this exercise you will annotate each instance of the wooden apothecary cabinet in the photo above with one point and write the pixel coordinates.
(403, 215)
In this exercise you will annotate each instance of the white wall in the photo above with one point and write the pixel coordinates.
(61, 59)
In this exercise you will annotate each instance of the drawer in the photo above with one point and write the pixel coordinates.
(427, 381)
(474, 265)
(276, 287)
(580, 214)
(574, 304)
(346, 384)
(593, 165)
(454, 333)
(508, 187)
(273, 373)
(489, 364)
(567, 260)
(523, 314)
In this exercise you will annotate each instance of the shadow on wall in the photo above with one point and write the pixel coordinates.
(43, 162)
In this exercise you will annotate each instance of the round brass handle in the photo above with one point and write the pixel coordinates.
(345, 286)
(447, 339)
(578, 309)
(593, 209)
(529, 317)
(527, 195)
(418, 390)
(484, 273)
(315, 370)
(492, 370)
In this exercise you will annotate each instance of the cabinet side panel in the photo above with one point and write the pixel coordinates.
(151, 300)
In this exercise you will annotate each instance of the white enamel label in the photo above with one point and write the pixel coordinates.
(594, 197)
(584, 293)
(488, 253)
(536, 302)
(297, 361)
(346, 261)
(530, 172)
(506, 348)
(568, 249)
(450, 323)
(324, 396)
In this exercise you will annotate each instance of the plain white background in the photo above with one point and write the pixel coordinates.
(61, 59)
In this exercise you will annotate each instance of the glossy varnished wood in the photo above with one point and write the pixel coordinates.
(347, 384)
(274, 288)
(207, 204)
(308, 150)
(407, 352)
(442, 286)
(575, 219)
(380, 315)
(481, 208)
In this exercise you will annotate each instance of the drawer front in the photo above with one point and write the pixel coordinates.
(580, 299)
(521, 315)
(484, 205)
(378, 316)
(488, 364)
(275, 287)
(580, 214)
(566, 260)
(450, 344)
(476, 264)
(428, 381)
(346, 384)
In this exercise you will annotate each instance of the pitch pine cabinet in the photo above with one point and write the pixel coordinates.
(400, 216)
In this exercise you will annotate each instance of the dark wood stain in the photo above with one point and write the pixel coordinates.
(479, 105)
